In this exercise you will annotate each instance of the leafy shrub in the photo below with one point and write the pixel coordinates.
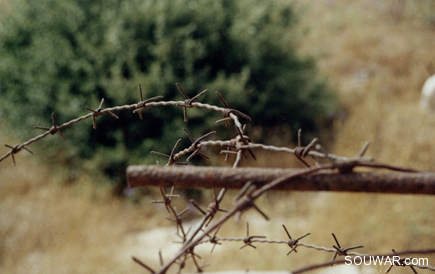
(63, 55)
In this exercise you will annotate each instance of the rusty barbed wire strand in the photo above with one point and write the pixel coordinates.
(286, 242)
(137, 107)
(261, 239)
(278, 241)
(320, 248)
(294, 151)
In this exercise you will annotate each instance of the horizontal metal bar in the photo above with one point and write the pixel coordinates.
(223, 177)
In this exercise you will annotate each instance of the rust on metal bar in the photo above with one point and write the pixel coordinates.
(225, 177)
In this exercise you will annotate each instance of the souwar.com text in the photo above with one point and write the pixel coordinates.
(385, 260)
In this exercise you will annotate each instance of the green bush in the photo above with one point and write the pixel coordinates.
(64, 55)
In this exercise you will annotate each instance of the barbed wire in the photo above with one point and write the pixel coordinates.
(227, 114)
(295, 243)
(244, 200)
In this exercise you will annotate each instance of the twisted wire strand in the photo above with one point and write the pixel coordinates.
(312, 153)
(182, 104)
(192, 147)
(214, 143)
(209, 107)
(275, 241)
(138, 105)
(199, 145)
(320, 248)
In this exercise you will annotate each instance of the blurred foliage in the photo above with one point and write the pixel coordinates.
(64, 55)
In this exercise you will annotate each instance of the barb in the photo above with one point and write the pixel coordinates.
(248, 239)
(166, 198)
(214, 240)
(178, 221)
(143, 104)
(188, 101)
(53, 129)
(342, 251)
(293, 243)
(98, 112)
(15, 150)
(172, 160)
(231, 114)
(195, 145)
(226, 114)
(212, 208)
(301, 152)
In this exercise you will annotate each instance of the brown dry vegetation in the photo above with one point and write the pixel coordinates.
(376, 55)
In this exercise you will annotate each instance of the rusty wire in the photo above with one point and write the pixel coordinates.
(263, 240)
(214, 216)
(137, 108)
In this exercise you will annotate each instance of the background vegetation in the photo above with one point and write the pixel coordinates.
(375, 54)
(61, 56)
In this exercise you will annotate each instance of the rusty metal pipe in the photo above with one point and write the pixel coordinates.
(225, 177)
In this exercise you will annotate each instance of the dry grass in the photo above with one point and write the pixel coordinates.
(375, 55)
(378, 61)
(46, 227)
